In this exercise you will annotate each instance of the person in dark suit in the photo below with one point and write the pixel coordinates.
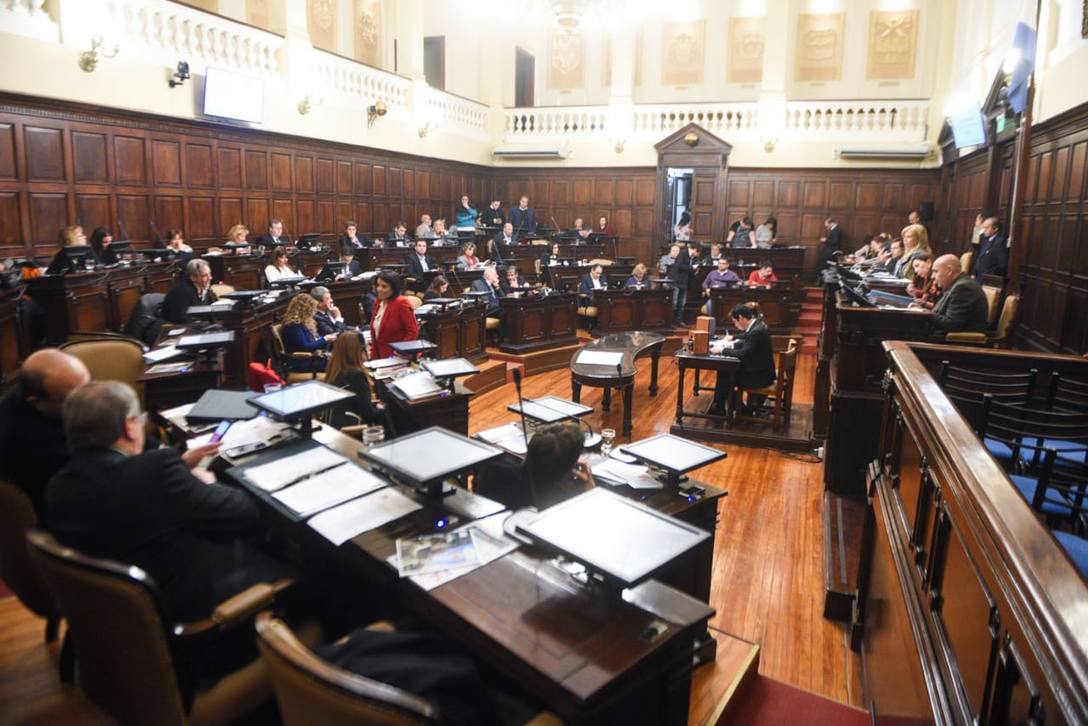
(523, 218)
(963, 306)
(489, 283)
(328, 317)
(195, 289)
(593, 281)
(549, 474)
(753, 347)
(419, 264)
(679, 274)
(399, 236)
(991, 255)
(352, 268)
(350, 241)
(275, 236)
(71, 239)
(553, 257)
(155, 510)
(506, 236)
(493, 216)
(834, 241)
(394, 319)
(32, 442)
(513, 282)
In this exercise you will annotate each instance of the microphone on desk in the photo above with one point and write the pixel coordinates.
(525, 434)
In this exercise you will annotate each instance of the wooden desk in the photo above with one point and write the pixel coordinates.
(459, 331)
(967, 610)
(721, 365)
(570, 278)
(632, 346)
(240, 272)
(780, 304)
(13, 344)
(533, 322)
(629, 309)
(583, 653)
(167, 390)
(252, 337)
(449, 411)
(97, 300)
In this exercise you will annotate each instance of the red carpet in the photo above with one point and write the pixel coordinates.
(765, 702)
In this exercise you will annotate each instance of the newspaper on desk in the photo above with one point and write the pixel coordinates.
(490, 544)
(635, 476)
(259, 429)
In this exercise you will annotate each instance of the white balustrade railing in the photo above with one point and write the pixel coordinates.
(718, 118)
(579, 122)
(892, 120)
(454, 112)
(194, 35)
(29, 18)
(359, 80)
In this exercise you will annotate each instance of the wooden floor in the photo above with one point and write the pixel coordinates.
(768, 576)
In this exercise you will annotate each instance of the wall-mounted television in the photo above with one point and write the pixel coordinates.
(968, 128)
(233, 95)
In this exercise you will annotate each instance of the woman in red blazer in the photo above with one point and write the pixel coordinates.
(394, 318)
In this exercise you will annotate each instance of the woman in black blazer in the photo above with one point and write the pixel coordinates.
(345, 370)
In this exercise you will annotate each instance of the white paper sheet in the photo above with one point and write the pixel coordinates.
(635, 476)
(329, 488)
(349, 520)
(160, 354)
(281, 472)
(599, 358)
(417, 385)
(245, 433)
(508, 436)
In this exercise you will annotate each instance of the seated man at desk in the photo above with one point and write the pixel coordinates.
(523, 218)
(963, 306)
(753, 347)
(513, 282)
(638, 280)
(398, 237)
(419, 264)
(352, 268)
(71, 238)
(715, 254)
(888, 260)
(506, 236)
(489, 283)
(194, 289)
(764, 276)
(593, 281)
(720, 277)
(350, 241)
(549, 474)
(275, 236)
(424, 230)
(442, 235)
(328, 318)
(155, 510)
(32, 442)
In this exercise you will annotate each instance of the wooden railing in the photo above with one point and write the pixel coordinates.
(967, 609)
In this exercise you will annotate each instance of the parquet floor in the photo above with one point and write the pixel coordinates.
(768, 571)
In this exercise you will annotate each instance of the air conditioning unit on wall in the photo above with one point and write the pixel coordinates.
(917, 152)
(511, 152)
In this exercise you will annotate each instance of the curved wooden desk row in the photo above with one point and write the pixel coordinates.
(967, 610)
(630, 346)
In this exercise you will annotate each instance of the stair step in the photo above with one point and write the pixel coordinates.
(762, 701)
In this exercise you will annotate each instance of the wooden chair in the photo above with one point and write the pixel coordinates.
(781, 393)
(17, 517)
(283, 359)
(1019, 435)
(414, 300)
(129, 651)
(587, 311)
(110, 357)
(310, 690)
(1056, 488)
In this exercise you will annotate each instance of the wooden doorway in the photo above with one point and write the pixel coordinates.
(691, 169)
(524, 78)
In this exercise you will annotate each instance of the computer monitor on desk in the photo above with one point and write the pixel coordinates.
(300, 402)
(673, 454)
(425, 459)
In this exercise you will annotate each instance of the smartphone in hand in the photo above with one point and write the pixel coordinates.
(220, 432)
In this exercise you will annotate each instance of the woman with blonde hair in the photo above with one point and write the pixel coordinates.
(300, 333)
(915, 242)
(238, 235)
(345, 370)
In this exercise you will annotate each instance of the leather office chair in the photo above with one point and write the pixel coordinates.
(414, 299)
(781, 393)
(993, 297)
(1001, 336)
(17, 517)
(283, 359)
(966, 260)
(310, 690)
(110, 358)
(145, 323)
(129, 651)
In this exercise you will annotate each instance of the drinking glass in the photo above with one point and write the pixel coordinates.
(272, 387)
(88, 263)
(607, 437)
(373, 435)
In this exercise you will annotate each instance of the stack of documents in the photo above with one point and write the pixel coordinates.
(259, 429)
(277, 474)
(329, 488)
(489, 544)
(350, 520)
(417, 385)
(508, 436)
(635, 476)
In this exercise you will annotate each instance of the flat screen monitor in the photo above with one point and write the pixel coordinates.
(206, 340)
(624, 541)
(549, 409)
(673, 453)
(301, 399)
(233, 95)
(287, 281)
(968, 128)
(450, 367)
(429, 456)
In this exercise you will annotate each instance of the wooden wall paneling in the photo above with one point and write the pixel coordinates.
(285, 209)
(344, 177)
(280, 172)
(46, 210)
(134, 210)
(257, 215)
(199, 167)
(166, 163)
(230, 214)
(200, 224)
(229, 168)
(92, 210)
(89, 153)
(304, 174)
(305, 215)
(256, 170)
(8, 166)
(44, 153)
(168, 214)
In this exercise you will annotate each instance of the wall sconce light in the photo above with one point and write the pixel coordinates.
(88, 59)
(375, 112)
(618, 144)
(309, 103)
(181, 74)
(427, 128)
(768, 143)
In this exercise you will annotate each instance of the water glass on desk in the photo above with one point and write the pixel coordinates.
(607, 437)
(273, 387)
(373, 435)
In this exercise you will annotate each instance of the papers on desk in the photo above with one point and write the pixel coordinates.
(390, 362)
(281, 472)
(259, 429)
(168, 368)
(329, 488)
(508, 436)
(164, 353)
(417, 385)
(427, 553)
(349, 520)
(490, 544)
(600, 358)
(175, 331)
(635, 476)
(425, 309)
(225, 303)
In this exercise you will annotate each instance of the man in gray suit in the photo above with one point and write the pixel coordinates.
(963, 306)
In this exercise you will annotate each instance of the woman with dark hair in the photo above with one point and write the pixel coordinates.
(279, 269)
(394, 319)
(468, 259)
(345, 370)
(549, 474)
(438, 287)
(766, 233)
(682, 231)
(299, 333)
(101, 239)
(552, 257)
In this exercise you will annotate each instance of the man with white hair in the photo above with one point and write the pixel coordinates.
(328, 317)
(195, 289)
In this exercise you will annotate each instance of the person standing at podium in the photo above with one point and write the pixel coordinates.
(394, 320)
(523, 218)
